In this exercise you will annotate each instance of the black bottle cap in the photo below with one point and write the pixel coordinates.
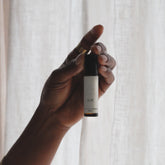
(91, 64)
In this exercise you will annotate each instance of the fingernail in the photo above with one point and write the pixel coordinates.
(104, 58)
(104, 68)
(98, 48)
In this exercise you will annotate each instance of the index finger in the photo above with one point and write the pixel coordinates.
(87, 41)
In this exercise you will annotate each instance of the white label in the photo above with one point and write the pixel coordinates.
(90, 94)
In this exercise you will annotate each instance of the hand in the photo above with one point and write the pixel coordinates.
(61, 104)
(63, 92)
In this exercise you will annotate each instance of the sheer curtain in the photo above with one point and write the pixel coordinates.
(130, 129)
(4, 19)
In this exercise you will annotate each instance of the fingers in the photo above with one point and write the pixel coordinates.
(90, 38)
(100, 46)
(107, 74)
(103, 57)
(66, 72)
(106, 64)
(107, 60)
(87, 41)
(105, 80)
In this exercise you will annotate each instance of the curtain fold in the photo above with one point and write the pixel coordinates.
(4, 20)
(135, 131)
(42, 33)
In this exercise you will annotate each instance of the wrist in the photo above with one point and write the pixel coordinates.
(39, 141)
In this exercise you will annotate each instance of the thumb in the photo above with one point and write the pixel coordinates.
(72, 68)
(87, 41)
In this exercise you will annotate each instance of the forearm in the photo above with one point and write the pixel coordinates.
(39, 141)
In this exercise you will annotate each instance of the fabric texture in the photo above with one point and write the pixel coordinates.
(130, 129)
(4, 19)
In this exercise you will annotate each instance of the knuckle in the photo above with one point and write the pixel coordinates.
(110, 79)
(103, 47)
(68, 65)
(111, 61)
(108, 73)
(54, 72)
(108, 58)
(108, 82)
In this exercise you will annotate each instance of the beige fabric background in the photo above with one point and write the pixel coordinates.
(130, 129)
(4, 19)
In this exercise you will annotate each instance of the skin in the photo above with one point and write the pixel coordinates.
(61, 104)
